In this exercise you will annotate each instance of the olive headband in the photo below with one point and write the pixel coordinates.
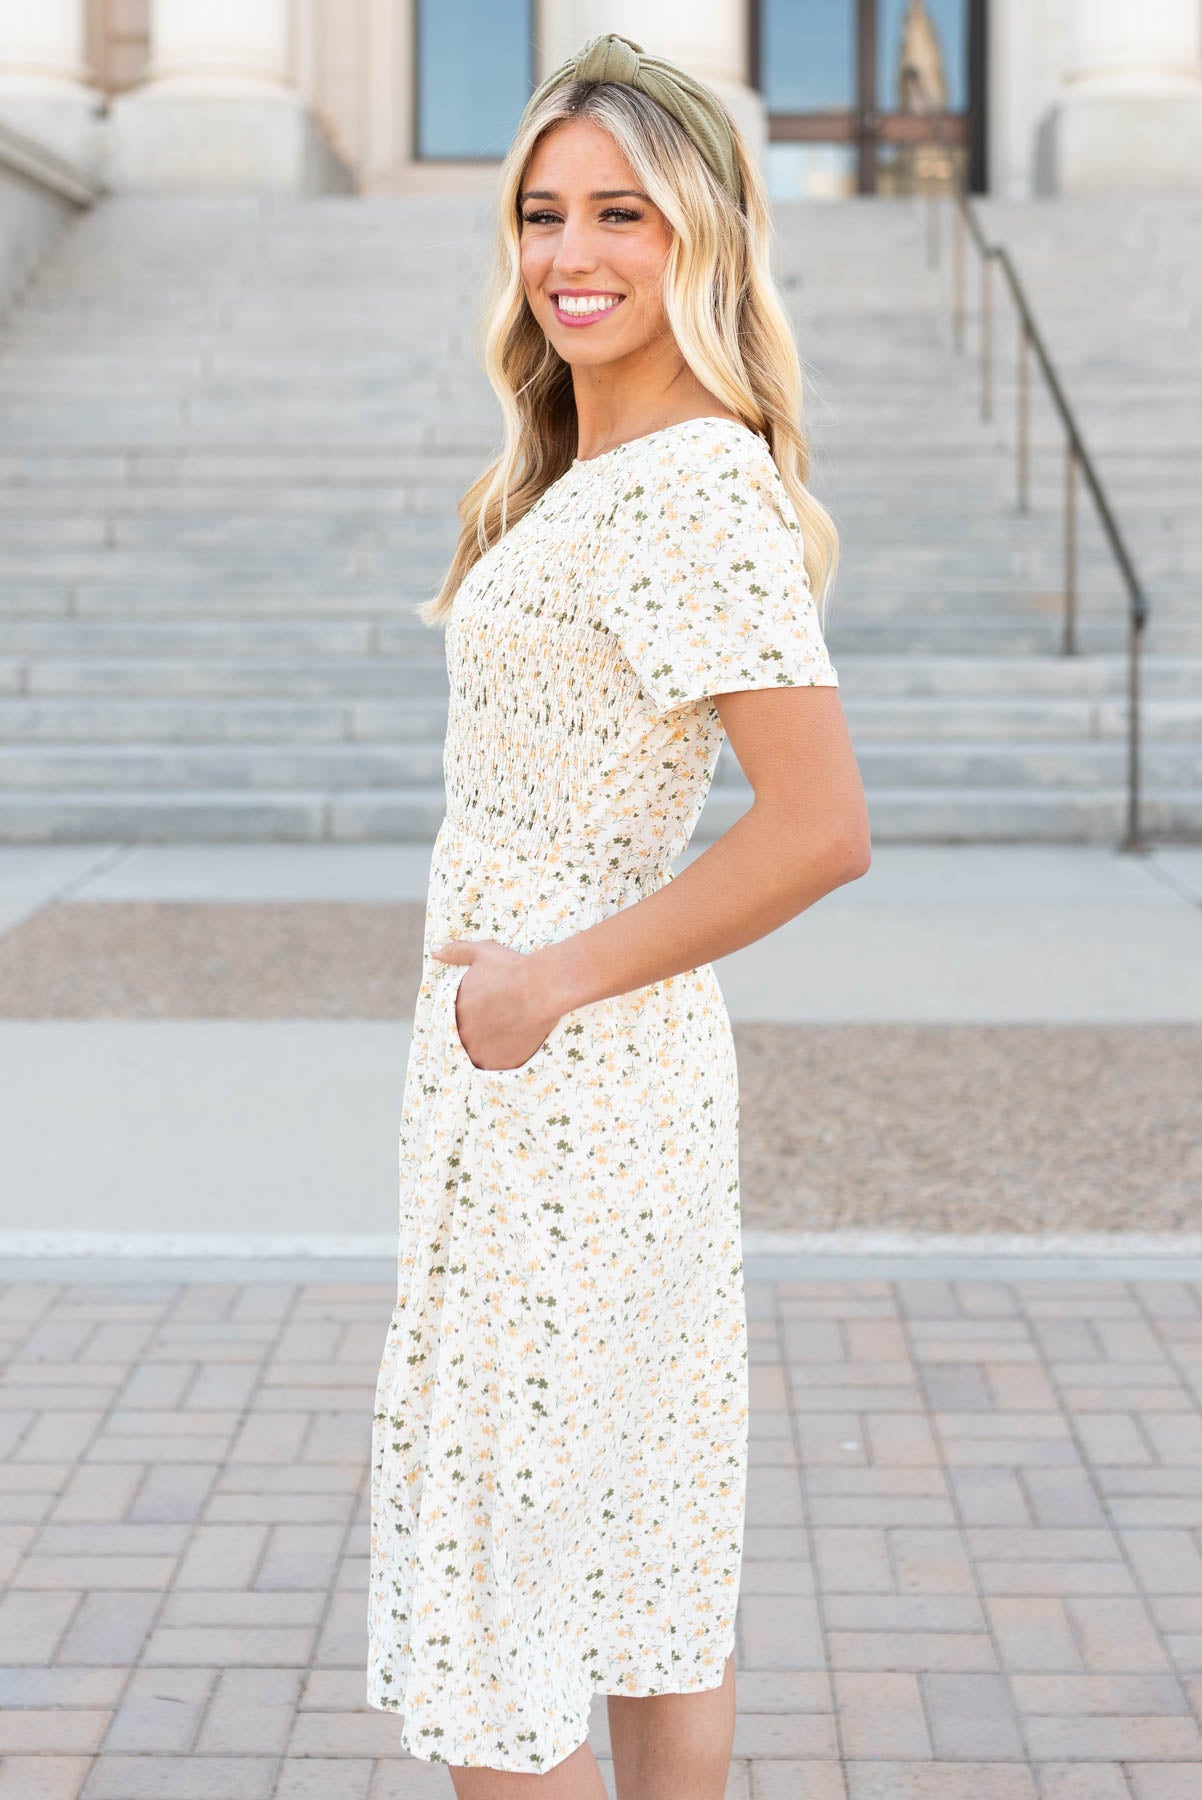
(691, 103)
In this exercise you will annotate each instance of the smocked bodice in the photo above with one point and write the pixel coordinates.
(582, 649)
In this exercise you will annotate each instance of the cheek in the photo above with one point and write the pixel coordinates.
(533, 262)
(645, 275)
(648, 309)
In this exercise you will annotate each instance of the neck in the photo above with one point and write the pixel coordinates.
(618, 402)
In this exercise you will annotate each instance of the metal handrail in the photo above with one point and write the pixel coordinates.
(1077, 457)
(48, 168)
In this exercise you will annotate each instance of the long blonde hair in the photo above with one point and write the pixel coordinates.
(720, 300)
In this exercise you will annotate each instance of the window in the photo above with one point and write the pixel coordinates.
(847, 83)
(474, 75)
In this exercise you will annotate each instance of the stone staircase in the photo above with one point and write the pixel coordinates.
(983, 728)
(232, 435)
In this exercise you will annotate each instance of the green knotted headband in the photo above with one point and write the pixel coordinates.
(691, 103)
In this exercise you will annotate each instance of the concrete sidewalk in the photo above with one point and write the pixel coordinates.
(932, 932)
(204, 1047)
(971, 1562)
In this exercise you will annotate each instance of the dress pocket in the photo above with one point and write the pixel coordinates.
(534, 1063)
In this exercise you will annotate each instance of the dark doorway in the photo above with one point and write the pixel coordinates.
(850, 87)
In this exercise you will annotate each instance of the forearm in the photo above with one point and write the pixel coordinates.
(760, 873)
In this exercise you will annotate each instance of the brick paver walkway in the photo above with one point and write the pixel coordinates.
(973, 1563)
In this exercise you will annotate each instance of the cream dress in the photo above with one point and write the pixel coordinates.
(559, 1442)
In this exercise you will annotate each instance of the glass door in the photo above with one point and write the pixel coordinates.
(850, 87)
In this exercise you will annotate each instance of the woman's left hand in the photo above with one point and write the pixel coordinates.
(504, 1019)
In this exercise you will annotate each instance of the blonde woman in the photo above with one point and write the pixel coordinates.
(560, 1433)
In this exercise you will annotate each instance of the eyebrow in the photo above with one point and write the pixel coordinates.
(604, 194)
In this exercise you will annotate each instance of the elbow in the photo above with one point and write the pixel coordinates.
(828, 850)
(848, 854)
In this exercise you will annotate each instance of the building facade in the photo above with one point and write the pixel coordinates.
(1036, 96)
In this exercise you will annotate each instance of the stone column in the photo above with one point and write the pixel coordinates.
(217, 111)
(1130, 113)
(44, 78)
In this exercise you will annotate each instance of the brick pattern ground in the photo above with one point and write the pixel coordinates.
(973, 1556)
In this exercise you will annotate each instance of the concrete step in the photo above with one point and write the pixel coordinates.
(233, 433)
(182, 767)
(935, 763)
(150, 676)
(406, 501)
(1003, 815)
(863, 675)
(122, 659)
(858, 596)
(46, 609)
(969, 815)
(421, 719)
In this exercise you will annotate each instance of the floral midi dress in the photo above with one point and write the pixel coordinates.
(559, 1438)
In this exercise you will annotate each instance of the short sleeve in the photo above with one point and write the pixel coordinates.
(706, 588)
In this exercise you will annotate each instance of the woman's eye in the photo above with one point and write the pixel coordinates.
(621, 213)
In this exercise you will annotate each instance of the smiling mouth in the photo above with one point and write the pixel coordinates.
(586, 306)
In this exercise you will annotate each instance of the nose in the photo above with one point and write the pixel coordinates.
(574, 254)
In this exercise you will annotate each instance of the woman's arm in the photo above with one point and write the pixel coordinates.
(805, 833)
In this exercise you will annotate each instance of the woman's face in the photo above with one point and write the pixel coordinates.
(593, 247)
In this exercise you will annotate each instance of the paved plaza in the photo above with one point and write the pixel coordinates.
(986, 1040)
(973, 1556)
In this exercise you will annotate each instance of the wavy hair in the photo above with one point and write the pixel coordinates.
(722, 307)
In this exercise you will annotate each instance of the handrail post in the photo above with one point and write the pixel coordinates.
(1069, 645)
(1134, 837)
(986, 337)
(1024, 418)
(959, 233)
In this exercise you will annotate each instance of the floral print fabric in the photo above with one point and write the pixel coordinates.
(559, 1438)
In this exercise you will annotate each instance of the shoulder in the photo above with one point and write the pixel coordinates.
(705, 480)
(706, 589)
(707, 456)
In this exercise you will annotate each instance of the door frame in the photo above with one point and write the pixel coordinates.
(865, 126)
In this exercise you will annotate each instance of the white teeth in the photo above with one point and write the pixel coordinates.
(588, 303)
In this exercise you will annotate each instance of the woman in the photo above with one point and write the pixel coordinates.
(560, 1431)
